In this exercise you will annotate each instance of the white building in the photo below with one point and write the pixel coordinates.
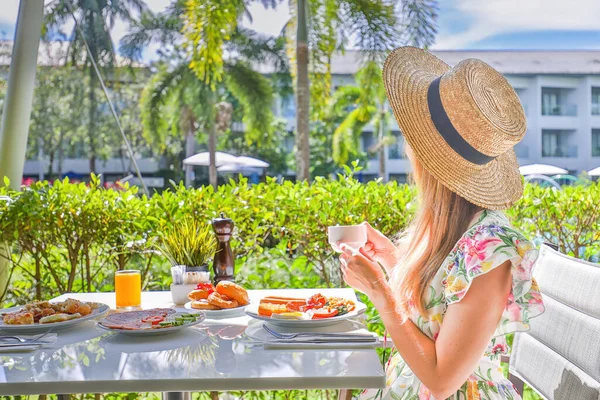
(560, 92)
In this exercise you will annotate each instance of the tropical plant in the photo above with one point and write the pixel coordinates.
(352, 108)
(181, 99)
(58, 108)
(188, 242)
(318, 28)
(95, 19)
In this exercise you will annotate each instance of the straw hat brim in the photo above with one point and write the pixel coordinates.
(407, 74)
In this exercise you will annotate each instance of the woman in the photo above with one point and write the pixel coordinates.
(460, 278)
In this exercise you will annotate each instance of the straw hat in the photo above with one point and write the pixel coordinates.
(462, 123)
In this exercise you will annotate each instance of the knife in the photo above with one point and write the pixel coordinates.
(18, 344)
(325, 340)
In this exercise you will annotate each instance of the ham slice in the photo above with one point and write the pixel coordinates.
(132, 320)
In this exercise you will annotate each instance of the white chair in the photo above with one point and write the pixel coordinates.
(559, 357)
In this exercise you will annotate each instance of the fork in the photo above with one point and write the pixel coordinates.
(318, 334)
(22, 340)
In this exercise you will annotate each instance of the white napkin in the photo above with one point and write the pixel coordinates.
(275, 345)
(48, 339)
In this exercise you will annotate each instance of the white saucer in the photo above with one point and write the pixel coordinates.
(218, 314)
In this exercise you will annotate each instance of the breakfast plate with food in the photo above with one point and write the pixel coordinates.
(226, 299)
(41, 316)
(155, 321)
(314, 311)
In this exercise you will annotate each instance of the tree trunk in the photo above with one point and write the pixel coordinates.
(190, 147)
(38, 278)
(92, 121)
(61, 155)
(382, 160)
(382, 172)
(302, 96)
(212, 150)
(50, 165)
(381, 133)
(40, 157)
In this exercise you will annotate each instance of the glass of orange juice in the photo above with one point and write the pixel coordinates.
(128, 288)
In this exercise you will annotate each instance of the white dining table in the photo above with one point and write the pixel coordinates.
(216, 355)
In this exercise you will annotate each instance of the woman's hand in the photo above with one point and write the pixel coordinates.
(379, 248)
(361, 273)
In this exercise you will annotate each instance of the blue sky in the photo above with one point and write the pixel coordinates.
(462, 24)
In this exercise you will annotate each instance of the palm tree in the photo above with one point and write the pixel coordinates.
(321, 27)
(174, 104)
(352, 108)
(209, 27)
(196, 100)
(96, 19)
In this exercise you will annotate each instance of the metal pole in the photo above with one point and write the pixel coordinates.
(19, 93)
(17, 105)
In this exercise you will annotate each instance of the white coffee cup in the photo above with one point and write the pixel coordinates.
(179, 293)
(354, 236)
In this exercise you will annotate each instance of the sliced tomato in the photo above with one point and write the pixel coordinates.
(325, 313)
(154, 320)
(316, 301)
(295, 306)
(206, 286)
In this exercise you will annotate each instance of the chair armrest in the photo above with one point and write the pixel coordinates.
(518, 383)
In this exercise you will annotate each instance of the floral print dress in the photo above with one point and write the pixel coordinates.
(489, 243)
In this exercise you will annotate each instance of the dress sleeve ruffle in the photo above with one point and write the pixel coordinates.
(485, 248)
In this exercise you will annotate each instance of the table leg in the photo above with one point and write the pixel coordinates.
(176, 396)
(63, 396)
(345, 394)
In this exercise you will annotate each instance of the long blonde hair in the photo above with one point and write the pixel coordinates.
(441, 219)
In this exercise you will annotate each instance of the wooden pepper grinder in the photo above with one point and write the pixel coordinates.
(223, 264)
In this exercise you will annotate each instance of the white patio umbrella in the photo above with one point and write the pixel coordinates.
(594, 172)
(244, 164)
(203, 159)
(251, 162)
(239, 168)
(541, 169)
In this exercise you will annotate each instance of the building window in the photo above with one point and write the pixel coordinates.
(596, 101)
(396, 149)
(368, 141)
(555, 143)
(400, 178)
(555, 102)
(549, 102)
(595, 142)
(288, 107)
(362, 177)
(289, 142)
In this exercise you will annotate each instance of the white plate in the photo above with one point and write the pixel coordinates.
(307, 323)
(153, 332)
(218, 314)
(256, 331)
(150, 344)
(56, 326)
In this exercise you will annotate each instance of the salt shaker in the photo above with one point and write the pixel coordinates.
(223, 264)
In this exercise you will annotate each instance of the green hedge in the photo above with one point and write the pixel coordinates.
(72, 237)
